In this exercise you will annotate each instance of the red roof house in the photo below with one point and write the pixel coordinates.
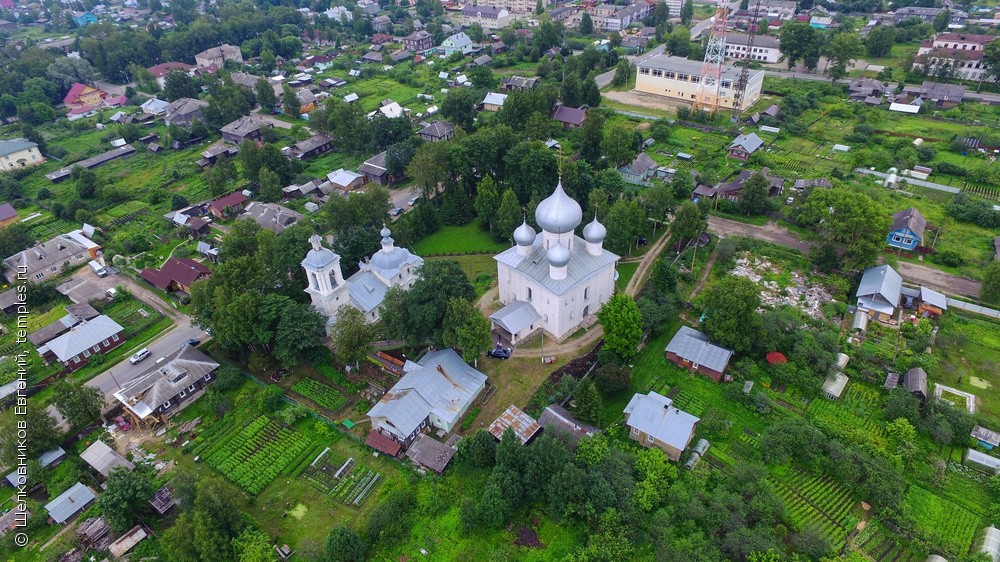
(228, 205)
(176, 274)
(82, 95)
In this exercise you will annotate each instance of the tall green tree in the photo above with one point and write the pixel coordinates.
(753, 200)
(842, 50)
(344, 545)
(418, 315)
(254, 546)
(730, 308)
(586, 24)
(801, 42)
(989, 291)
(42, 432)
(177, 85)
(352, 336)
(125, 499)
(429, 168)
(688, 223)
(622, 325)
(592, 137)
(507, 217)
(687, 12)
(466, 328)
(290, 102)
(459, 107)
(569, 93)
(880, 40)
(625, 223)
(856, 222)
(587, 402)
(619, 144)
(265, 94)
(486, 203)
(80, 404)
(270, 186)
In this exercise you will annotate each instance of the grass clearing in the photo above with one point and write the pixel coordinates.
(455, 240)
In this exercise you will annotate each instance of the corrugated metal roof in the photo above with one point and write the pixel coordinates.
(516, 316)
(104, 459)
(654, 414)
(582, 264)
(150, 390)
(525, 427)
(83, 337)
(367, 291)
(986, 435)
(933, 298)
(882, 282)
(694, 346)
(70, 502)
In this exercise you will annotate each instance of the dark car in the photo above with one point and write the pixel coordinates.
(641, 241)
(499, 352)
(192, 342)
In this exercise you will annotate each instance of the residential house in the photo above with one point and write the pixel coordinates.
(250, 81)
(915, 380)
(69, 503)
(878, 293)
(988, 439)
(372, 57)
(46, 260)
(569, 117)
(154, 106)
(177, 274)
(418, 41)
(217, 56)
(493, 101)
(167, 387)
(160, 71)
(677, 79)
(381, 24)
(439, 130)
(956, 54)
(770, 9)
(640, 171)
(524, 426)
(932, 303)
(228, 205)
(634, 44)
(345, 180)
(555, 419)
(183, 112)
(246, 127)
(272, 216)
(75, 314)
(765, 48)
(103, 459)
(941, 95)
(861, 89)
(513, 6)
(19, 153)
(488, 17)
(8, 26)
(907, 230)
(374, 169)
(820, 22)
(312, 146)
(434, 392)
(429, 453)
(744, 146)
(83, 19)
(13, 518)
(210, 156)
(511, 83)
(457, 43)
(733, 189)
(97, 335)
(340, 14)
(481, 60)
(82, 95)
(927, 15)
(400, 56)
(653, 421)
(163, 501)
(691, 349)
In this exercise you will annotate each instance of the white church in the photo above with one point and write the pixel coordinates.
(365, 290)
(554, 280)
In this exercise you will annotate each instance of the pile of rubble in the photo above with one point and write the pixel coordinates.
(799, 293)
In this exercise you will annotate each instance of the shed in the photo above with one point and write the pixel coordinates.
(860, 323)
(891, 380)
(163, 501)
(430, 453)
(982, 461)
(556, 419)
(842, 360)
(525, 427)
(986, 437)
(127, 542)
(70, 502)
(915, 381)
(104, 459)
(834, 385)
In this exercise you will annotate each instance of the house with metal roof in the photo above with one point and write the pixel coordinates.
(375, 169)
(74, 315)
(557, 420)
(227, 205)
(389, 267)
(104, 459)
(69, 503)
(345, 180)
(246, 127)
(907, 230)
(524, 426)
(97, 335)
(272, 216)
(653, 421)
(155, 106)
(493, 101)
(932, 303)
(691, 349)
(569, 117)
(439, 130)
(46, 260)
(312, 146)
(457, 43)
(640, 171)
(879, 291)
(183, 112)
(168, 386)
(19, 153)
(745, 145)
(518, 319)
(177, 274)
(434, 392)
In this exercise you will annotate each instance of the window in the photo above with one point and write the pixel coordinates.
(76, 359)
(96, 348)
(208, 377)
(896, 238)
(635, 431)
(649, 439)
(907, 240)
(183, 393)
(529, 294)
(586, 293)
(114, 337)
(644, 71)
(165, 405)
(191, 388)
(86, 353)
(657, 73)
(105, 343)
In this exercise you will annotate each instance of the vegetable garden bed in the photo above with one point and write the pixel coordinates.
(258, 453)
(819, 503)
(323, 395)
(881, 544)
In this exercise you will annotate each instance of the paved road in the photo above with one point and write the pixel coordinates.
(401, 197)
(700, 28)
(916, 273)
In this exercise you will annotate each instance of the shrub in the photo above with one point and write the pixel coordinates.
(949, 258)
(612, 379)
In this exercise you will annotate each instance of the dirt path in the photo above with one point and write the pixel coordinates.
(913, 272)
(640, 100)
(704, 278)
(641, 272)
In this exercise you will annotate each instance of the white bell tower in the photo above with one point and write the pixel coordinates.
(326, 281)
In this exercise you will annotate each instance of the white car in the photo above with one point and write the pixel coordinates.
(789, 201)
(139, 356)
(413, 200)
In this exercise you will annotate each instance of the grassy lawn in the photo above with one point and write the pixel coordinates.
(969, 351)
(516, 380)
(452, 240)
(625, 273)
(480, 269)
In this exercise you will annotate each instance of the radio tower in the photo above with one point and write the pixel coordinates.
(741, 83)
(707, 95)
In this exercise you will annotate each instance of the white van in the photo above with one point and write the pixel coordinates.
(139, 356)
(98, 268)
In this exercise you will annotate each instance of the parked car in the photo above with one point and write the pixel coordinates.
(396, 211)
(499, 352)
(122, 424)
(139, 356)
(413, 200)
(789, 201)
(641, 241)
(192, 342)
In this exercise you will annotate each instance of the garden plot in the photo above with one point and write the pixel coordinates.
(348, 483)
(324, 395)
(782, 287)
(818, 503)
(258, 453)
(881, 544)
(940, 522)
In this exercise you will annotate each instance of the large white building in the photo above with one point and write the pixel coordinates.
(365, 290)
(765, 48)
(553, 280)
(678, 78)
(958, 55)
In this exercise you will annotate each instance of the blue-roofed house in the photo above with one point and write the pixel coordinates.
(690, 349)
(653, 421)
(907, 230)
(389, 267)
(878, 293)
(83, 19)
(434, 392)
(457, 43)
(70, 503)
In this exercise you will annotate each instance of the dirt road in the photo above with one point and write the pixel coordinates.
(914, 273)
